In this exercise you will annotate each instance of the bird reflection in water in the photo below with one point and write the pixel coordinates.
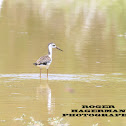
(44, 94)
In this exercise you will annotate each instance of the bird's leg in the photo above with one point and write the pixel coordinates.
(40, 72)
(47, 73)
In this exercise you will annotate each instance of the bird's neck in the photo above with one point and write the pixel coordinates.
(50, 51)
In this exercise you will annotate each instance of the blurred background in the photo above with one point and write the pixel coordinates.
(91, 70)
(91, 33)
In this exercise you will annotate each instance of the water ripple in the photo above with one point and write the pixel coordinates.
(65, 77)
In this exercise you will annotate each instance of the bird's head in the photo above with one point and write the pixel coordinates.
(53, 45)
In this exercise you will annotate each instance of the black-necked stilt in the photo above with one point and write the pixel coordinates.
(45, 61)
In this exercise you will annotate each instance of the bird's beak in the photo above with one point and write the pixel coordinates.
(59, 49)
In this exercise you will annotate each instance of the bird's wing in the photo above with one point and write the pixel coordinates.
(43, 60)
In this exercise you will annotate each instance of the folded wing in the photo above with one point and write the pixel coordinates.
(43, 60)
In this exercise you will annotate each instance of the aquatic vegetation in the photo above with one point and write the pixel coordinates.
(20, 118)
(34, 123)
(56, 121)
(31, 122)
(95, 124)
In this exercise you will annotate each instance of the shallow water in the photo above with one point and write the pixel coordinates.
(114, 77)
(91, 70)
(26, 99)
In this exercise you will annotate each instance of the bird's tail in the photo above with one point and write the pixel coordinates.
(35, 64)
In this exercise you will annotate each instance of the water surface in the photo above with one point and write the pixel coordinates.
(90, 70)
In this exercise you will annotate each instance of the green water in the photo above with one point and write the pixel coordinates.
(91, 70)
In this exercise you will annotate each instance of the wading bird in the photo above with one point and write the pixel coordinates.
(45, 61)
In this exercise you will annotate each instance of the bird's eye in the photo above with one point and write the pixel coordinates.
(53, 45)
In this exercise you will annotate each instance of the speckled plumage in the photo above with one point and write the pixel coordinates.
(43, 60)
